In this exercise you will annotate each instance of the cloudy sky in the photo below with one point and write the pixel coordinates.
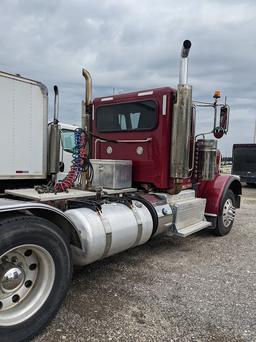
(130, 45)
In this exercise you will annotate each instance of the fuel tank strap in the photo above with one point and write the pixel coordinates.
(108, 231)
(150, 208)
(139, 224)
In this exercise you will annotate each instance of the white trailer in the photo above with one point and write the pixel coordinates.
(23, 128)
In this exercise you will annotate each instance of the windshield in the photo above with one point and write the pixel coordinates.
(68, 141)
(135, 116)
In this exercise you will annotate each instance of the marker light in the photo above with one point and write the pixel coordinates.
(217, 94)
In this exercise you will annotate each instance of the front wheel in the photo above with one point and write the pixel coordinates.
(35, 271)
(226, 215)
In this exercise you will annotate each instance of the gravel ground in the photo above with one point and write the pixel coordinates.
(201, 288)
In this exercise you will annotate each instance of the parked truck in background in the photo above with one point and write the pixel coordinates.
(244, 162)
(137, 170)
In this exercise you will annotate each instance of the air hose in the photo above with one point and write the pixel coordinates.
(79, 162)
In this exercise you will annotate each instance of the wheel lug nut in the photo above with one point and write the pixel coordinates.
(15, 298)
(4, 258)
(28, 283)
(32, 267)
(28, 252)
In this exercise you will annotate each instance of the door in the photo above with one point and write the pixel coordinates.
(66, 152)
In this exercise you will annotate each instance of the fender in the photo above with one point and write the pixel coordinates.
(48, 212)
(215, 190)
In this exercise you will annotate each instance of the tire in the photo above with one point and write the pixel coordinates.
(35, 273)
(226, 216)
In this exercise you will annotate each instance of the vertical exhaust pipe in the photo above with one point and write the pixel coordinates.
(56, 104)
(86, 121)
(183, 76)
(181, 123)
(54, 139)
(87, 100)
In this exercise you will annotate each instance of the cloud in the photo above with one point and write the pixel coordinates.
(133, 45)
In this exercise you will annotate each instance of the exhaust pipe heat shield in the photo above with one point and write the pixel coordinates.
(180, 143)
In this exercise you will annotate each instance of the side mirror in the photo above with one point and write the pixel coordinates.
(224, 118)
(222, 129)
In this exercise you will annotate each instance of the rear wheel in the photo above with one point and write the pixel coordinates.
(226, 215)
(35, 271)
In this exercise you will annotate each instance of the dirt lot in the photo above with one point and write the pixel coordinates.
(201, 288)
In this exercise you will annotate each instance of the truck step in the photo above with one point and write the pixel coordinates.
(189, 216)
(193, 228)
(189, 212)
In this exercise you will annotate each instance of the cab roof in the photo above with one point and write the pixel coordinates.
(141, 94)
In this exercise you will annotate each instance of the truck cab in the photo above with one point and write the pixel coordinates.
(139, 122)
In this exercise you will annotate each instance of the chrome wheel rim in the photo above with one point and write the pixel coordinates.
(228, 213)
(27, 274)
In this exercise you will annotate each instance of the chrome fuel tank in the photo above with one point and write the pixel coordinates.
(114, 229)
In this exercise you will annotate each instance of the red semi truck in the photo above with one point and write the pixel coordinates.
(138, 170)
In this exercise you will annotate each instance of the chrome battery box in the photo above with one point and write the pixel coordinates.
(112, 174)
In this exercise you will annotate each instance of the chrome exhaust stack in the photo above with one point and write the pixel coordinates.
(181, 123)
(54, 140)
(87, 100)
(85, 182)
(183, 76)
